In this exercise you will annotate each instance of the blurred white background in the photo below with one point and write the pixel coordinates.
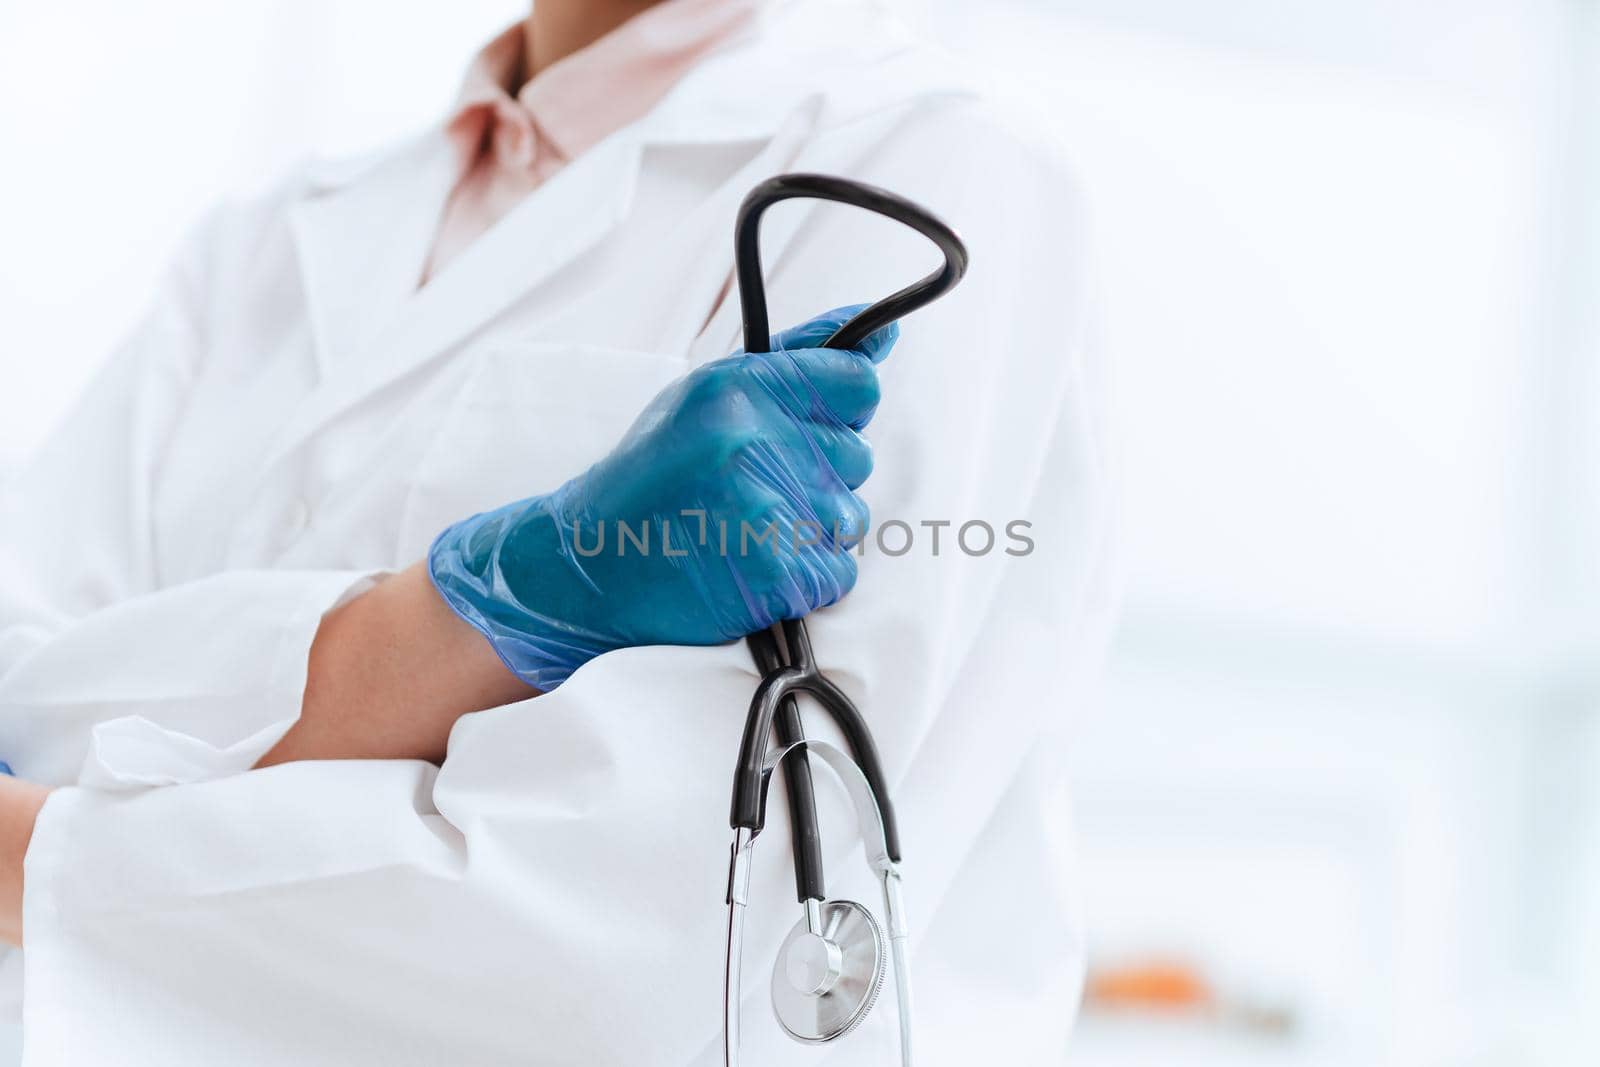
(1345, 778)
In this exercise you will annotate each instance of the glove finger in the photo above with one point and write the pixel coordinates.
(815, 332)
(785, 563)
(813, 566)
(837, 521)
(798, 490)
(829, 575)
(821, 385)
(847, 453)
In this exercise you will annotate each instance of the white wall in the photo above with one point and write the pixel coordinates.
(1345, 768)
(122, 122)
(1348, 253)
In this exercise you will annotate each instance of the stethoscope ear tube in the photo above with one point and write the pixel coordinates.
(747, 254)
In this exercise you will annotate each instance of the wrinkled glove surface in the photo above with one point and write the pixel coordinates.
(729, 504)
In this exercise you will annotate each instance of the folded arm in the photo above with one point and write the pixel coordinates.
(389, 674)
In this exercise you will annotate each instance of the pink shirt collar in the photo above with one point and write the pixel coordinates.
(580, 100)
(510, 145)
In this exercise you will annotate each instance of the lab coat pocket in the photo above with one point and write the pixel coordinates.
(529, 417)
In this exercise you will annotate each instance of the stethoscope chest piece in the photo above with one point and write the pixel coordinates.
(825, 982)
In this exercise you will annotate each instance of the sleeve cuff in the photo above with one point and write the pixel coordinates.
(134, 752)
(192, 683)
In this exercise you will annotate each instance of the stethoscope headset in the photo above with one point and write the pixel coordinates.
(831, 966)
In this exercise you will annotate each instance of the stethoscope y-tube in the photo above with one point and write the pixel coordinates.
(788, 667)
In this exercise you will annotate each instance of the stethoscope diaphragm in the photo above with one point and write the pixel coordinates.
(825, 982)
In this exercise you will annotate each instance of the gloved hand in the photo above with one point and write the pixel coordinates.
(727, 506)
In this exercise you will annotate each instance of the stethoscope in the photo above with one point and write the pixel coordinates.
(830, 968)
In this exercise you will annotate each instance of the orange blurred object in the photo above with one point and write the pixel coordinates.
(1161, 985)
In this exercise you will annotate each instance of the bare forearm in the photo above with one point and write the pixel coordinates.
(389, 675)
(19, 809)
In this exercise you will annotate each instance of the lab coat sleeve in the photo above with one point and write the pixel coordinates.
(554, 893)
(108, 675)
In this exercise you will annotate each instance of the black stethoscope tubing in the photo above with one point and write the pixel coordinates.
(783, 652)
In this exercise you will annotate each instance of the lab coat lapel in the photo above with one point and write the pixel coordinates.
(373, 239)
(360, 236)
(571, 213)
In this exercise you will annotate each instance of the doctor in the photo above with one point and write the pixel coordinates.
(282, 802)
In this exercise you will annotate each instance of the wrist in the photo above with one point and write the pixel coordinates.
(389, 675)
(513, 576)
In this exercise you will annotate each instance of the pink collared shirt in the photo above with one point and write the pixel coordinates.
(509, 144)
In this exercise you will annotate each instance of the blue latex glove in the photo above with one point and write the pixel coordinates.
(747, 446)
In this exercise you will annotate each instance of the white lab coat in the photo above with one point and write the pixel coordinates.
(295, 418)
